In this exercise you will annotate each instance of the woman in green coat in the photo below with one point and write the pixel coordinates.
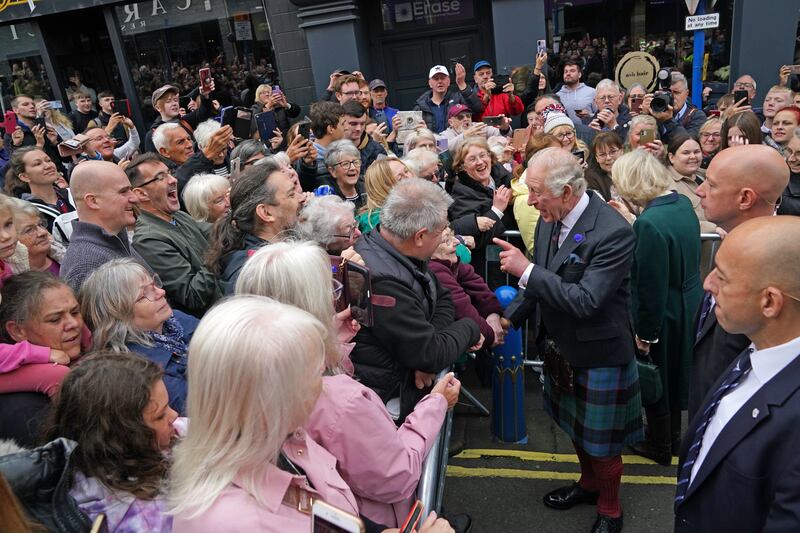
(666, 290)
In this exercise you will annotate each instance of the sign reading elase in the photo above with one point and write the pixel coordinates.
(702, 22)
(637, 67)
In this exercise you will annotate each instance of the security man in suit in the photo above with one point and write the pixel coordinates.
(739, 465)
(578, 285)
(742, 182)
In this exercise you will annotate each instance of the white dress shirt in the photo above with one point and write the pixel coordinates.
(567, 223)
(766, 365)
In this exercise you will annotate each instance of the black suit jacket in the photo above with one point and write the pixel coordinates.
(714, 350)
(750, 479)
(583, 293)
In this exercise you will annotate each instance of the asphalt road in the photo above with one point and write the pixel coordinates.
(501, 486)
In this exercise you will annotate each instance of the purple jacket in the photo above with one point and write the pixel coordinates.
(472, 298)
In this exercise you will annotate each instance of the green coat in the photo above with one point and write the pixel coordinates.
(666, 290)
(176, 252)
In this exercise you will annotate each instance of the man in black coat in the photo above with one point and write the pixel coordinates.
(436, 102)
(415, 334)
(739, 467)
(577, 289)
(742, 182)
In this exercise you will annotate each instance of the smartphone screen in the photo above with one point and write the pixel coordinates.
(205, 79)
(795, 69)
(358, 287)
(541, 46)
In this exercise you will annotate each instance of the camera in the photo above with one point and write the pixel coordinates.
(662, 98)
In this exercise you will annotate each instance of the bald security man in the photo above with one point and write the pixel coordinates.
(105, 204)
(742, 182)
(739, 462)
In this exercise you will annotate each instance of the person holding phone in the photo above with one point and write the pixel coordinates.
(115, 124)
(270, 99)
(634, 97)
(382, 466)
(496, 100)
(30, 133)
(166, 100)
(435, 104)
(644, 135)
(577, 98)
(612, 114)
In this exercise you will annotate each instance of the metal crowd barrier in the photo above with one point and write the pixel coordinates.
(430, 490)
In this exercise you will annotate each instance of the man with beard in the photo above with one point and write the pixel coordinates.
(170, 240)
(576, 97)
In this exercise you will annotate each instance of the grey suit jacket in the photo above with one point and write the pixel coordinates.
(582, 293)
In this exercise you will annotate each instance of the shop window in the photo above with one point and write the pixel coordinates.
(21, 67)
(168, 41)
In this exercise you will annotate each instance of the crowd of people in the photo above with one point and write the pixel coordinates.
(184, 346)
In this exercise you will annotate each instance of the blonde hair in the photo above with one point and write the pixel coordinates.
(249, 387)
(298, 274)
(708, 124)
(378, 182)
(198, 192)
(639, 177)
(261, 89)
(107, 299)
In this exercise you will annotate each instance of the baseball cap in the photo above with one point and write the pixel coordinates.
(161, 91)
(438, 69)
(456, 109)
(374, 84)
(480, 64)
(341, 71)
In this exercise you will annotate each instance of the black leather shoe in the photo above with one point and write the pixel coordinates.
(606, 524)
(568, 497)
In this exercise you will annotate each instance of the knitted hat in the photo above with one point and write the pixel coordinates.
(554, 119)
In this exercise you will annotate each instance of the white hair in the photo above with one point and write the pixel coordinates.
(338, 149)
(419, 158)
(321, 217)
(414, 204)
(562, 170)
(199, 191)
(415, 137)
(160, 134)
(607, 83)
(281, 158)
(249, 387)
(204, 131)
(677, 77)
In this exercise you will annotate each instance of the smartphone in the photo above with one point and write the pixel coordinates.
(326, 518)
(276, 89)
(647, 136)
(240, 119)
(500, 81)
(493, 121)
(541, 46)
(738, 95)
(636, 104)
(55, 104)
(795, 69)
(9, 122)
(304, 130)
(266, 125)
(412, 520)
(579, 155)
(183, 102)
(123, 107)
(356, 289)
(454, 61)
(236, 166)
(39, 121)
(520, 138)
(205, 79)
(442, 145)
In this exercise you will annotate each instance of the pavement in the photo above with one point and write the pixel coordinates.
(501, 485)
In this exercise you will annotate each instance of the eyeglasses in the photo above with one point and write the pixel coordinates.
(99, 138)
(744, 85)
(475, 158)
(438, 175)
(565, 135)
(150, 291)
(33, 229)
(161, 176)
(607, 98)
(608, 155)
(350, 233)
(345, 165)
(708, 135)
(338, 288)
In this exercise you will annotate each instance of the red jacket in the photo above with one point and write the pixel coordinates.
(499, 105)
(472, 298)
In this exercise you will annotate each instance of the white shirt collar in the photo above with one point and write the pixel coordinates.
(768, 362)
(572, 217)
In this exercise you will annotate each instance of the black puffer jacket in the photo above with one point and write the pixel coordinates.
(417, 332)
(40, 480)
(471, 200)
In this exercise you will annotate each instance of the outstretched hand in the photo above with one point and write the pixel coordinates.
(512, 260)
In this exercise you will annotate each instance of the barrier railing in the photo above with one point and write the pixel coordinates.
(430, 489)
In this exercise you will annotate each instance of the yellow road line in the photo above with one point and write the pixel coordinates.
(460, 471)
(546, 457)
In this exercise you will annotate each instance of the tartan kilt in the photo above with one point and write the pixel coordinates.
(604, 413)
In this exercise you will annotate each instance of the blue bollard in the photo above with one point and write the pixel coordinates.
(508, 382)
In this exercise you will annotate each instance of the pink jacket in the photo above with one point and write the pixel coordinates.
(13, 356)
(379, 461)
(237, 511)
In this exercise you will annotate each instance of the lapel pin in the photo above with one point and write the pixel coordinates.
(755, 413)
(578, 238)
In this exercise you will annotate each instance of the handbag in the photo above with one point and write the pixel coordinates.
(652, 389)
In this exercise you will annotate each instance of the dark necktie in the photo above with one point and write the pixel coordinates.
(705, 309)
(731, 381)
(551, 251)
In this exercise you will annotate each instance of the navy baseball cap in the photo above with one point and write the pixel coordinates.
(480, 64)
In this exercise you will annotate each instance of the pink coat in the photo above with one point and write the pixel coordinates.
(237, 511)
(379, 461)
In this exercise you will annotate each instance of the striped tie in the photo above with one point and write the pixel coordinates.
(733, 379)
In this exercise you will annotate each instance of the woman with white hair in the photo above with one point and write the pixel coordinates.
(666, 290)
(420, 138)
(206, 197)
(329, 221)
(343, 161)
(125, 308)
(425, 164)
(383, 465)
(202, 134)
